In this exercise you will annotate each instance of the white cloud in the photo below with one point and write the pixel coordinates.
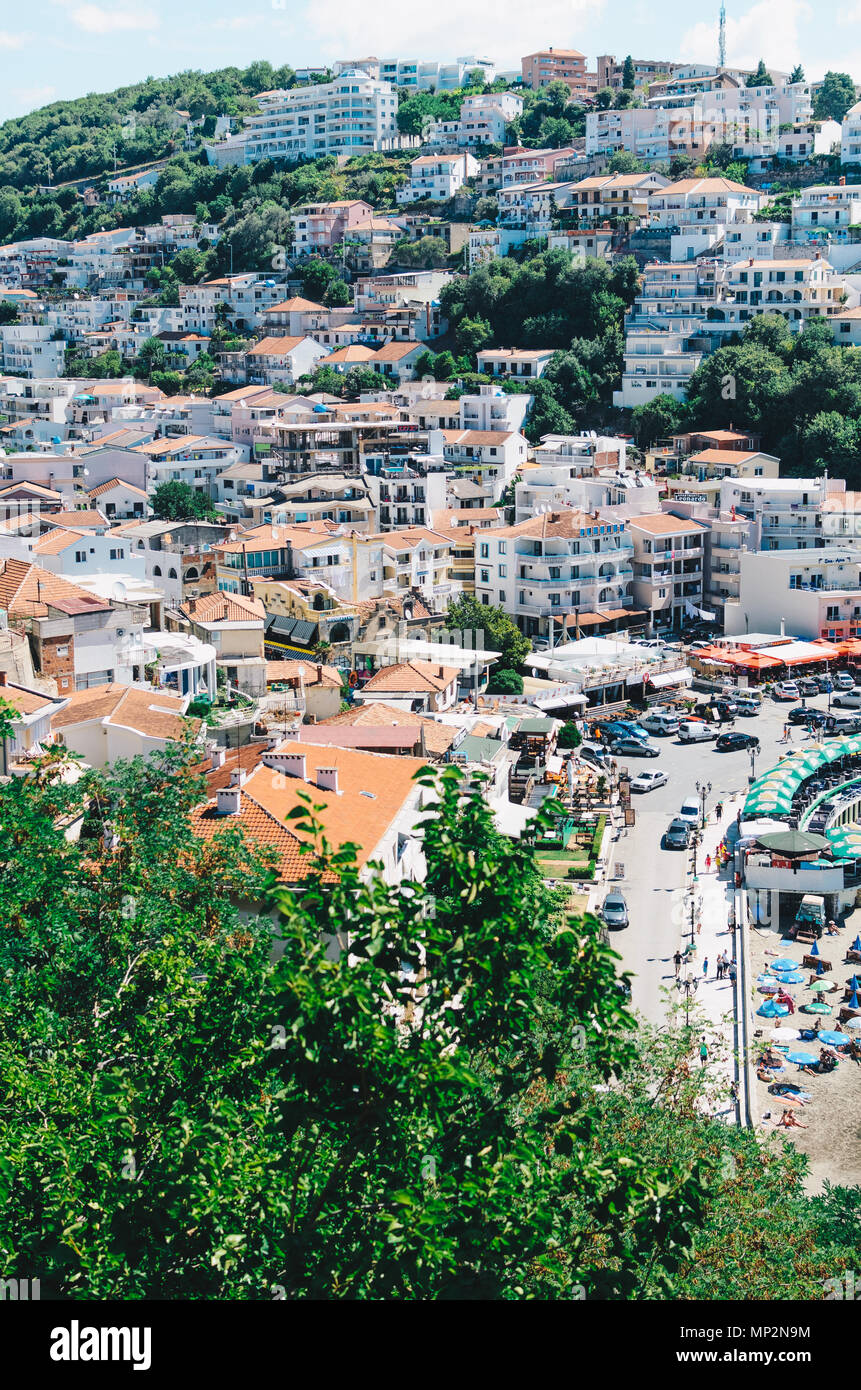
(448, 28)
(94, 20)
(769, 30)
(29, 98)
(9, 41)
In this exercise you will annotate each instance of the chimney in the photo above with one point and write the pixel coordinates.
(294, 765)
(441, 672)
(217, 756)
(238, 776)
(229, 801)
(327, 779)
(319, 675)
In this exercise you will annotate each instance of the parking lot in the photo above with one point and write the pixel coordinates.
(653, 878)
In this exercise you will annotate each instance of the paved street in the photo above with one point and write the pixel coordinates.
(653, 878)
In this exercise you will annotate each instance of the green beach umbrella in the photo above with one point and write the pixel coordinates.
(817, 1008)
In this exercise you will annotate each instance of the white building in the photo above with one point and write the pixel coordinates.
(809, 595)
(698, 210)
(483, 120)
(437, 177)
(669, 568)
(30, 350)
(798, 289)
(830, 208)
(355, 112)
(850, 136)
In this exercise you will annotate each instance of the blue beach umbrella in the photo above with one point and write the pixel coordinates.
(834, 1039)
(853, 983)
(853, 1000)
(801, 1059)
(856, 944)
(814, 950)
(791, 977)
(778, 966)
(771, 1009)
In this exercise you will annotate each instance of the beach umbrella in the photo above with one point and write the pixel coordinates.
(820, 968)
(854, 1024)
(784, 964)
(833, 1039)
(853, 1000)
(791, 977)
(856, 944)
(801, 1059)
(784, 1033)
(817, 1008)
(819, 985)
(814, 950)
(853, 983)
(771, 1009)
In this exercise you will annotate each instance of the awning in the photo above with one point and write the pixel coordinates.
(849, 646)
(753, 661)
(803, 653)
(683, 676)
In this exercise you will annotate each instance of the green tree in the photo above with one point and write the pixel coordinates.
(770, 330)
(316, 276)
(623, 162)
(628, 74)
(760, 78)
(797, 74)
(835, 96)
(151, 357)
(833, 442)
(472, 335)
(178, 501)
(504, 682)
(604, 98)
(486, 209)
(657, 419)
(501, 633)
(569, 736)
(337, 294)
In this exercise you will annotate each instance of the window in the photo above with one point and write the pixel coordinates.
(80, 557)
(484, 551)
(118, 554)
(64, 650)
(484, 576)
(503, 571)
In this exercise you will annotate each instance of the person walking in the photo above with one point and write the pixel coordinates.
(704, 1052)
(708, 863)
(732, 971)
(677, 961)
(705, 968)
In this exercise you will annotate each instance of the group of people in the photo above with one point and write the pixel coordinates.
(724, 965)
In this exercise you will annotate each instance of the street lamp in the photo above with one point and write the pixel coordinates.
(704, 790)
(752, 751)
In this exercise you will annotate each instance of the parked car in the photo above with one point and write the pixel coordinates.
(843, 724)
(677, 835)
(747, 707)
(843, 680)
(621, 728)
(808, 686)
(803, 714)
(661, 722)
(824, 684)
(727, 743)
(785, 690)
(691, 811)
(647, 781)
(614, 909)
(697, 731)
(595, 753)
(634, 748)
(847, 699)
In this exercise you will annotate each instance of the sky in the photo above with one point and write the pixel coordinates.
(53, 49)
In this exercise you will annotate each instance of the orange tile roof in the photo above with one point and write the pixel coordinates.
(372, 791)
(301, 534)
(24, 700)
(81, 518)
(407, 676)
(111, 484)
(296, 305)
(354, 353)
(438, 737)
(26, 590)
(393, 352)
(723, 456)
(662, 524)
(563, 523)
(221, 607)
(311, 672)
(273, 347)
(150, 712)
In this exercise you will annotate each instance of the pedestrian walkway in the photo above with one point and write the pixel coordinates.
(712, 891)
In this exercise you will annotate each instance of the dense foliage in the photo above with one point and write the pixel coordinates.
(458, 1108)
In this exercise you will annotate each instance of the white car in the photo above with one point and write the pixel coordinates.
(647, 781)
(690, 812)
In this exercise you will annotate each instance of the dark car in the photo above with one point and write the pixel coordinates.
(803, 715)
(726, 743)
(808, 686)
(677, 835)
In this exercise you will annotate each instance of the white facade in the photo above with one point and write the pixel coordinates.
(352, 113)
(830, 208)
(808, 595)
(850, 136)
(437, 177)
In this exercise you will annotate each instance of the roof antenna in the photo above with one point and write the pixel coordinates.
(722, 37)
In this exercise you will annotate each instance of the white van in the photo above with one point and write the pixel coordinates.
(661, 722)
(698, 731)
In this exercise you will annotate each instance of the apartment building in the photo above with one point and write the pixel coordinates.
(483, 120)
(405, 495)
(698, 210)
(826, 208)
(805, 140)
(519, 363)
(620, 196)
(233, 625)
(583, 472)
(658, 361)
(566, 65)
(418, 559)
(519, 165)
(437, 177)
(788, 513)
(814, 596)
(320, 226)
(611, 73)
(354, 112)
(563, 569)
(799, 289)
(283, 359)
(669, 568)
(649, 132)
(850, 136)
(351, 566)
(418, 76)
(31, 350)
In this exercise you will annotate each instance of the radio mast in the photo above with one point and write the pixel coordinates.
(722, 37)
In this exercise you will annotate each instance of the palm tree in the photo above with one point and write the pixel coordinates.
(322, 651)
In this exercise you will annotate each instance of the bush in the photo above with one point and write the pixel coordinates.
(505, 682)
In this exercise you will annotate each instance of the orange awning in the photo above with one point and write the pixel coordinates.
(848, 646)
(826, 651)
(753, 661)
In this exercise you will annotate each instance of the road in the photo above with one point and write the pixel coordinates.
(653, 877)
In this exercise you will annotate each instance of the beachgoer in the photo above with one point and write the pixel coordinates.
(705, 967)
(677, 961)
(704, 1053)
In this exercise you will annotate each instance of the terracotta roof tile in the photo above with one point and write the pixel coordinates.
(409, 676)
